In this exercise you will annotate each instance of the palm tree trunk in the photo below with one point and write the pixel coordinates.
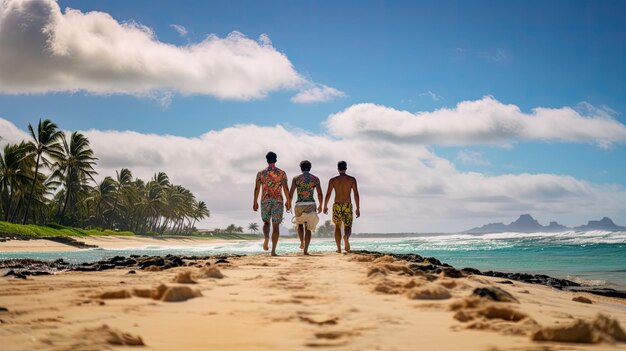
(16, 209)
(8, 209)
(32, 190)
(67, 199)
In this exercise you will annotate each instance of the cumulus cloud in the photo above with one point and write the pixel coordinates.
(403, 186)
(317, 93)
(484, 121)
(181, 30)
(43, 49)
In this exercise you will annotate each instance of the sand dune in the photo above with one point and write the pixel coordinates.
(328, 301)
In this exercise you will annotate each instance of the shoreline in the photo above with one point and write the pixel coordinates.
(24, 267)
(256, 302)
(128, 243)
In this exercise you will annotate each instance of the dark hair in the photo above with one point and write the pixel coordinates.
(270, 157)
(342, 165)
(305, 166)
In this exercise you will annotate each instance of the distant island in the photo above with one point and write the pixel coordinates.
(527, 224)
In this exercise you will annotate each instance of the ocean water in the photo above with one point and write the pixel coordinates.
(594, 257)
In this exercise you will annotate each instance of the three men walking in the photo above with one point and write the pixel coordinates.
(272, 182)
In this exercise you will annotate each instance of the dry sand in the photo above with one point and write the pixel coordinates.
(326, 301)
(105, 242)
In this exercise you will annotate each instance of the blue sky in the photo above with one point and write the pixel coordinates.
(407, 55)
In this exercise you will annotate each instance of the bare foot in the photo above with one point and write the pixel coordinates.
(345, 239)
(266, 244)
(338, 250)
(306, 253)
(301, 245)
(274, 254)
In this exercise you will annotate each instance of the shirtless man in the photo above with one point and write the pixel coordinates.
(306, 211)
(342, 184)
(273, 181)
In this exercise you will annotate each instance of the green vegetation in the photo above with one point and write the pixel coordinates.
(51, 179)
(325, 230)
(52, 230)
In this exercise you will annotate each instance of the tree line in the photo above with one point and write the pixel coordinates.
(50, 179)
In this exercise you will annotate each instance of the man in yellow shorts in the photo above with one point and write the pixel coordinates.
(343, 185)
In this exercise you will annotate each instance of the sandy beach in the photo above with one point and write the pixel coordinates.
(328, 301)
(104, 242)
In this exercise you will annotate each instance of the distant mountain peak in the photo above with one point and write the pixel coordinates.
(527, 224)
(604, 224)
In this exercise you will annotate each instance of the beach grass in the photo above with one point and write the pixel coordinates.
(32, 230)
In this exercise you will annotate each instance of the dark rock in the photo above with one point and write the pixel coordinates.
(117, 259)
(67, 240)
(84, 269)
(451, 272)
(176, 261)
(17, 275)
(104, 266)
(4, 309)
(505, 282)
(424, 267)
(599, 291)
(433, 260)
(471, 270)
(222, 260)
(495, 294)
(131, 272)
(153, 261)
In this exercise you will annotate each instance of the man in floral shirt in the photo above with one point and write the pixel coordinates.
(306, 211)
(273, 182)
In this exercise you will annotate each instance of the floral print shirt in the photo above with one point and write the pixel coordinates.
(271, 180)
(306, 184)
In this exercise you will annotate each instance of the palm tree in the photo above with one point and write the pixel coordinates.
(122, 183)
(101, 197)
(13, 174)
(253, 227)
(44, 143)
(200, 212)
(75, 168)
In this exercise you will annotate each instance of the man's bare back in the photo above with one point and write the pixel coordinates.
(343, 185)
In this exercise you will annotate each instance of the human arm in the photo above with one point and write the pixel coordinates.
(291, 191)
(331, 186)
(257, 187)
(318, 188)
(286, 191)
(356, 199)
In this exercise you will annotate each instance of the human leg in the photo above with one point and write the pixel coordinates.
(338, 236)
(346, 237)
(266, 234)
(275, 235)
(301, 235)
(307, 241)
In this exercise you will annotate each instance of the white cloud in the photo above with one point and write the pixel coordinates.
(317, 93)
(470, 157)
(181, 30)
(43, 49)
(484, 121)
(403, 186)
(435, 97)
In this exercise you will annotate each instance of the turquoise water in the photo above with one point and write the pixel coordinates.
(597, 258)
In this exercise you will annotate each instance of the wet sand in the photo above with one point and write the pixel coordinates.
(325, 301)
